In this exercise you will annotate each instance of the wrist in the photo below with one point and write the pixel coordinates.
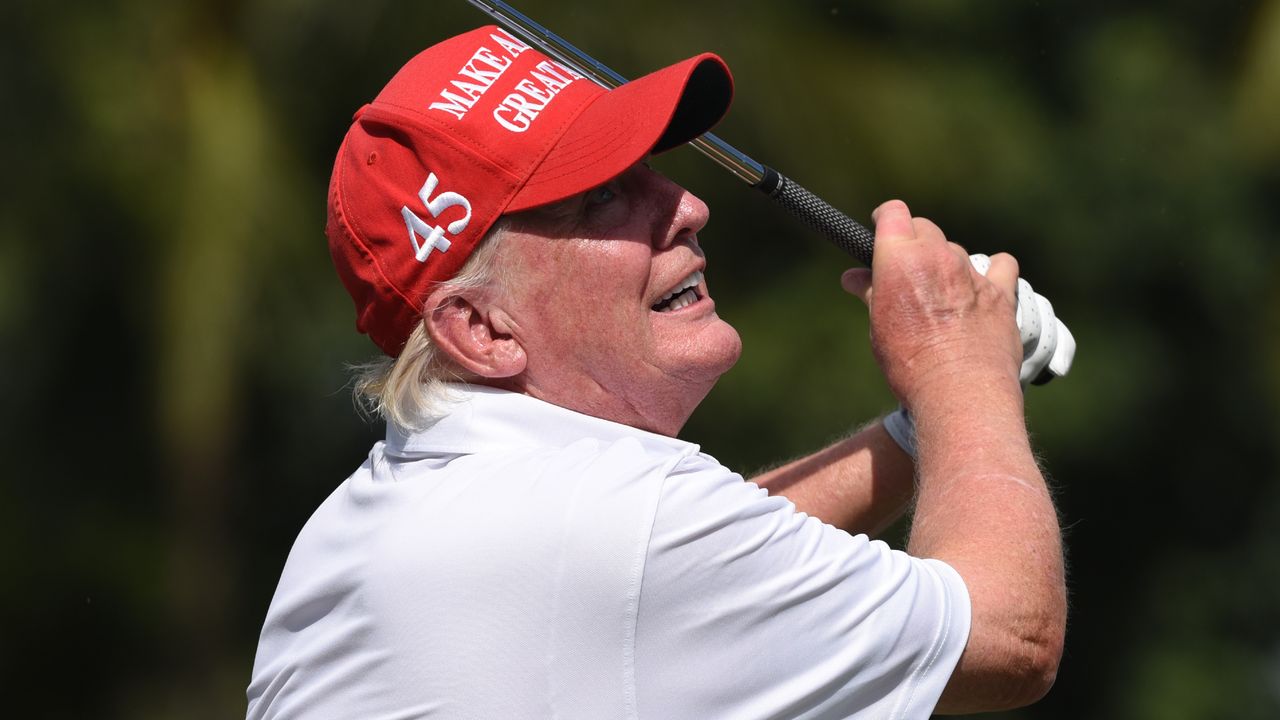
(970, 418)
(964, 386)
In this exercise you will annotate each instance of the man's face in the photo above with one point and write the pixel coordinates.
(590, 300)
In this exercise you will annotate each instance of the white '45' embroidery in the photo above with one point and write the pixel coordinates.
(433, 235)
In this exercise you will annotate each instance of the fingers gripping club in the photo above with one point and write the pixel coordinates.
(1047, 345)
(1047, 351)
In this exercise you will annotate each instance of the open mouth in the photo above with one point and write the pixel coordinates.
(684, 294)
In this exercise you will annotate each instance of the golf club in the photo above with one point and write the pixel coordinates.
(846, 233)
(1048, 346)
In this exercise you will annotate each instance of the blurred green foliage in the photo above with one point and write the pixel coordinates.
(173, 340)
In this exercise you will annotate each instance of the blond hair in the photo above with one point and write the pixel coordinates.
(411, 390)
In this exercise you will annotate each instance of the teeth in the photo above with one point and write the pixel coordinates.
(684, 299)
(689, 283)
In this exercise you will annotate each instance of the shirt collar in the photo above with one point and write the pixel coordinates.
(482, 419)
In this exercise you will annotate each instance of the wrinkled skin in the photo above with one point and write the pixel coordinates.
(934, 319)
(584, 275)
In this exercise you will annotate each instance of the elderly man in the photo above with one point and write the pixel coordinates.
(532, 541)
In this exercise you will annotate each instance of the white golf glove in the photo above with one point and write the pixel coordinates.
(1048, 349)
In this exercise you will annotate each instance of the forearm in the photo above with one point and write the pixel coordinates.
(860, 484)
(947, 339)
(984, 508)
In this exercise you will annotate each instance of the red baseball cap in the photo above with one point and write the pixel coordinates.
(475, 127)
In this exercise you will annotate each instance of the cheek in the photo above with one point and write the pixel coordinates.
(604, 318)
(586, 297)
(586, 309)
(609, 282)
(609, 329)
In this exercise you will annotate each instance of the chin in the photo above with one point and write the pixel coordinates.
(718, 350)
(732, 348)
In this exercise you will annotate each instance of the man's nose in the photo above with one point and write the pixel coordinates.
(689, 215)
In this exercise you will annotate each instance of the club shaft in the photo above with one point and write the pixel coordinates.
(839, 228)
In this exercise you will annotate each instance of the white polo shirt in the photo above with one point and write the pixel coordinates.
(520, 560)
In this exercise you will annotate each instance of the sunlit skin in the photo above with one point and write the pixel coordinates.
(582, 279)
(574, 323)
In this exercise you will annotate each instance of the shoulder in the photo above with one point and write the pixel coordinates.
(815, 621)
(519, 505)
(703, 500)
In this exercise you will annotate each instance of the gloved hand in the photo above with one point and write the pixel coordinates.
(1047, 345)
(1048, 349)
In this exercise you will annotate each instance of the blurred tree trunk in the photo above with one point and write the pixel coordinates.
(1257, 105)
(207, 278)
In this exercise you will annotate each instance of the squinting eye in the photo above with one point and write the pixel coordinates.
(601, 195)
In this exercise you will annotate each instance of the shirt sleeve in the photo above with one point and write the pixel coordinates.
(750, 609)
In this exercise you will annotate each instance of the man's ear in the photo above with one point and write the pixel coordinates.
(473, 333)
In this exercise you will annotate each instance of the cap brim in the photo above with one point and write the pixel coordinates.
(657, 112)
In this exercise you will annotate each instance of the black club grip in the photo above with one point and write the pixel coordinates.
(849, 235)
